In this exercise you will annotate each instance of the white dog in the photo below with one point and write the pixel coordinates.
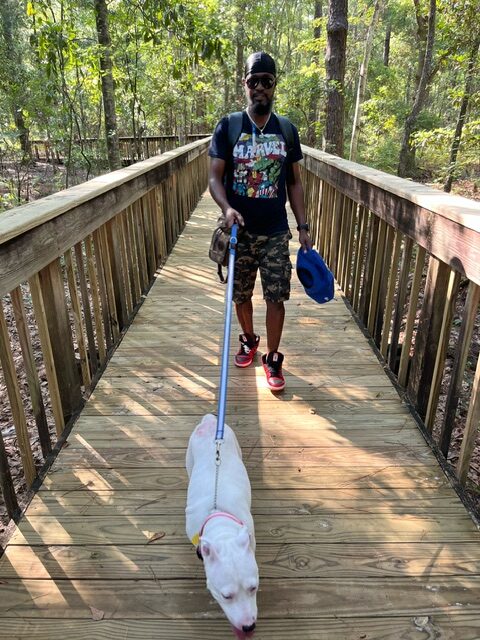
(224, 536)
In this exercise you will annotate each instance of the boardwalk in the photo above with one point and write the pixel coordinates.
(359, 534)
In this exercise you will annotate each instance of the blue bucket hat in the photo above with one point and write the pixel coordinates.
(315, 276)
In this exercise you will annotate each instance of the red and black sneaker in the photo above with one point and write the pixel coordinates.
(247, 351)
(272, 365)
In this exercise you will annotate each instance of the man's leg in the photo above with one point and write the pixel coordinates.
(274, 322)
(275, 269)
(246, 266)
(245, 316)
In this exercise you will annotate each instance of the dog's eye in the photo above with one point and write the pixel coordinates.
(227, 597)
(252, 589)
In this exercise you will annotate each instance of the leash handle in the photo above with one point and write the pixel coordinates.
(222, 399)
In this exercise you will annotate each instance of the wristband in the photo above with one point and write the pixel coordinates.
(303, 227)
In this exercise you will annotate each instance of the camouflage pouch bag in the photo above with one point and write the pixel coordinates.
(218, 251)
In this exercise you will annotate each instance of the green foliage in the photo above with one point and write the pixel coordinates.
(175, 69)
(433, 147)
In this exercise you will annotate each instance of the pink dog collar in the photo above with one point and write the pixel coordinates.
(196, 538)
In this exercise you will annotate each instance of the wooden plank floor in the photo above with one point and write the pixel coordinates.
(359, 534)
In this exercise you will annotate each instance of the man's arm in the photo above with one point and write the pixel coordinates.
(296, 199)
(218, 193)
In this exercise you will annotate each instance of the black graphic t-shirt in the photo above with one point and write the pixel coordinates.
(256, 175)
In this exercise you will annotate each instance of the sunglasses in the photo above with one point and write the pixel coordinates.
(265, 81)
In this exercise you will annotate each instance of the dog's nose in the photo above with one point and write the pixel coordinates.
(249, 629)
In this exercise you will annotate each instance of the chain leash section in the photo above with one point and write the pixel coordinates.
(218, 444)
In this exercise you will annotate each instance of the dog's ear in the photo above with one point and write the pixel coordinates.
(207, 550)
(243, 538)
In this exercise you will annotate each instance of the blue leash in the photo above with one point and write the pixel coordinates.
(222, 400)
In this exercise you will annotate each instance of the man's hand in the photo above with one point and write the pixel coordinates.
(305, 240)
(232, 216)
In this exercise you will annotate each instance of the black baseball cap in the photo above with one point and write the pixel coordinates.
(260, 62)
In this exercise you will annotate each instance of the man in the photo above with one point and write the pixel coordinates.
(249, 180)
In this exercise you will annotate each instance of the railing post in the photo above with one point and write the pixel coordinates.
(6, 484)
(471, 429)
(392, 280)
(77, 318)
(13, 391)
(428, 334)
(400, 304)
(369, 264)
(403, 369)
(116, 267)
(442, 349)
(461, 354)
(58, 322)
(46, 343)
(92, 351)
(30, 370)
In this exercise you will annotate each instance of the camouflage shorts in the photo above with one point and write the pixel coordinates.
(270, 254)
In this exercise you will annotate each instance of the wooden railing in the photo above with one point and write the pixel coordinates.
(408, 260)
(131, 149)
(73, 269)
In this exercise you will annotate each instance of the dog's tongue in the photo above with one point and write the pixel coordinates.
(241, 635)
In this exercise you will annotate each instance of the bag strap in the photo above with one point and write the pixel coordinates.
(221, 277)
(287, 131)
(235, 121)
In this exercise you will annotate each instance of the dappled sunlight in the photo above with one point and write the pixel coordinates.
(44, 596)
(182, 278)
(157, 384)
(83, 478)
(346, 496)
(34, 531)
(94, 454)
(24, 563)
(75, 562)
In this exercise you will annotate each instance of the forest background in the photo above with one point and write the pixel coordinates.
(410, 85)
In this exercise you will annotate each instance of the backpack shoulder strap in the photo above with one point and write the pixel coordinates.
(235, 121)
(287, 131)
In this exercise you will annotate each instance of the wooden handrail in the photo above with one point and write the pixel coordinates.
(447, 226)
(76, 210)
(170, 136)
(75, 266)
(404, 254)
(131, 148)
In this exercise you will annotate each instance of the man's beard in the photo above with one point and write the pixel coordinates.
(262, 109)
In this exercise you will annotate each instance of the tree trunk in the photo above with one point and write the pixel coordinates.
(239, 71)
(240, 8)
(226, 89)
(386, 46)
(406, 164)
(108, 87)
(23, 131)
(14, 73)
(461, 116)
(316, 92)
(362, 79)
(335, 59)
